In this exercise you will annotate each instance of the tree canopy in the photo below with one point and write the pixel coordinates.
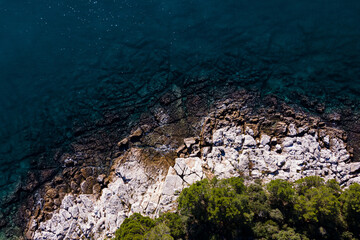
(310, 208)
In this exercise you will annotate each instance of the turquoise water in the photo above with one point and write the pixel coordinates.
(67, 63)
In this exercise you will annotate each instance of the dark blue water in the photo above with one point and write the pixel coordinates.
(66, 62)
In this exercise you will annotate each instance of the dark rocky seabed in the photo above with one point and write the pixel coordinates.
(85, 71)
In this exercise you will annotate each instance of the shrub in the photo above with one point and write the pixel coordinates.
(216, 208)
(134, 227)
(160, 231)
(176, 224)
(351, 207)
(281, 193)
(304, 184)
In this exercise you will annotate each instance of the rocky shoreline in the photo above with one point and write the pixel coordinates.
(172, 71)
(235, 136)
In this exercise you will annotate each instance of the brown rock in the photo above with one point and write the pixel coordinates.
(27, 213)
(47, 215)
(58, 179)
(299, 116)
(136, 134)
(48, 206)
(189, 141)
(69, 172)
(29, 234)
(223, 123)
(321, 124)
(254, 120)
(278, 115)
(87, 185)
(106, 181)
(52, 193)
(344, 136)
(97, 189)
(57, 202)
(123, 143)
(270, 110)
(78, 177)
(290, 112)
(31, 227)
(181, 149)
(73, 186)
(86, 172)
(36, 211)
(62, 189)
(280, 128)
(146, 128)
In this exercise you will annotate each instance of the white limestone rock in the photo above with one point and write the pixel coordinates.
(354, 180)
(173, 183)
(249, 131)
(265, 140)
(288, 142)
(354, 167)
(249, 141)
(326, 140)
(218, 138)
(232, 153)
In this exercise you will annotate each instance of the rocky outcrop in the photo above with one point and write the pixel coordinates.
(235, 141)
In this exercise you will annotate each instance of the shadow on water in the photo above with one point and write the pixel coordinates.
(67, 63)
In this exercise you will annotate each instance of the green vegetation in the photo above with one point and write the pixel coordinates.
(309, 208)
(135, 227)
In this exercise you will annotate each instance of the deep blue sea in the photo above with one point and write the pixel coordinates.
(66, 62)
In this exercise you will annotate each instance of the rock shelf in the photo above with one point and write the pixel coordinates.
(235, 140)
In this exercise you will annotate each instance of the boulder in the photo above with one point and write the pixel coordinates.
(123, 143)
(189, 142)
(292, 132)
(87, 185)
(172, 184)
(354, 167)
(249, 141)
(326, 140)
(265, 140)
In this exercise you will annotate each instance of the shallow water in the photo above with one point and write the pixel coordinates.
(64, 62)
